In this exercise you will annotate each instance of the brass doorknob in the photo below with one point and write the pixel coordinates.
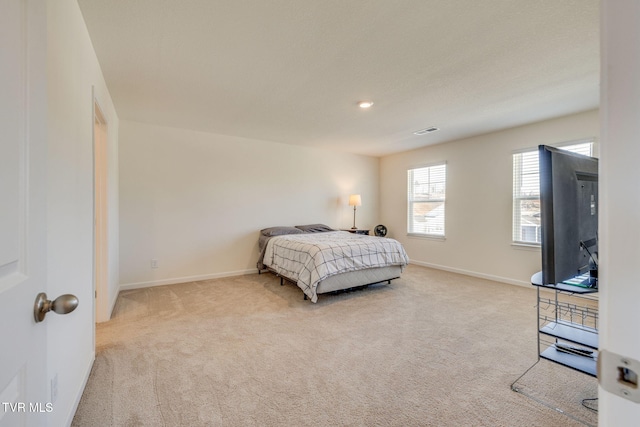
(64, 304)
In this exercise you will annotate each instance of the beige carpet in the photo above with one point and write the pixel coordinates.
(431, 349)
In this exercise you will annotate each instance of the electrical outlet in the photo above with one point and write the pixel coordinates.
(54, 388)
(154, 263)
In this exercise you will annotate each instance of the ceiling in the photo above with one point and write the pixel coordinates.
(293, 71)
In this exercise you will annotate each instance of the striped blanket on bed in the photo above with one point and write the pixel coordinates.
(311, 258)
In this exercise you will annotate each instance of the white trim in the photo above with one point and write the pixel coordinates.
(428, 236)
(410, 218)
(585, 140)
(186, 279)
(472, 273)
(519, 168)
(112, 305)
(526, 245)
(83, 385)
(427, 165)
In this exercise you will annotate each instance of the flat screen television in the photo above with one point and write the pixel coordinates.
(568, 217)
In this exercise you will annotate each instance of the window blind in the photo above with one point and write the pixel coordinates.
(526, 192)
(426, 199)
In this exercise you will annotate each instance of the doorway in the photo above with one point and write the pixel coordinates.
(101, 250)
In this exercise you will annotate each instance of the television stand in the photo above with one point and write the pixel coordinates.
(567, 337)
(567, 324)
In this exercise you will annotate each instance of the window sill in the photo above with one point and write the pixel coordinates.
(526, 246)
(426, 236)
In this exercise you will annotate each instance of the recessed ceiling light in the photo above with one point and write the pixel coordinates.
(425, 131)
(365, 104)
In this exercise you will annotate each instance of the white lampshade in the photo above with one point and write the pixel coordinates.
(355, 200)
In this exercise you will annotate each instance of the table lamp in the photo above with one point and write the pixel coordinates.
(355, 200)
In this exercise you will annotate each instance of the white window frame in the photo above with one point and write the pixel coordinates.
(436, 229)
(526, 186)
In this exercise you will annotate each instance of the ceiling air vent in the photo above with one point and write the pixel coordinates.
(426, 131)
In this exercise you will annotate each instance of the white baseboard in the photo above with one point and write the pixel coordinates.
(112, 303)
(186, 279)
(76, 402)
(175, 280)
(472, 273)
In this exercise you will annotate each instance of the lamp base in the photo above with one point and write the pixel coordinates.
(354, 219)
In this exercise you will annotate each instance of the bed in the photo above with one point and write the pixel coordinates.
(320, 260)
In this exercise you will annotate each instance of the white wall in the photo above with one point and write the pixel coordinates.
(620, 200)
(479, 199)
(196, 201)
(72, 72)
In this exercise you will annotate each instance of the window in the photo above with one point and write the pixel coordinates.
(526, 192)
(426, 194)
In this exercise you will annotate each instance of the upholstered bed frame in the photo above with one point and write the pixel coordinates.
(352, 280)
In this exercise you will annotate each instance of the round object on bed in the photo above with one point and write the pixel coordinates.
(380, 230)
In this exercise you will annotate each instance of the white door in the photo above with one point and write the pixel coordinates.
(24, 390)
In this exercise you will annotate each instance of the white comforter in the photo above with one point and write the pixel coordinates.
(311, 258)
